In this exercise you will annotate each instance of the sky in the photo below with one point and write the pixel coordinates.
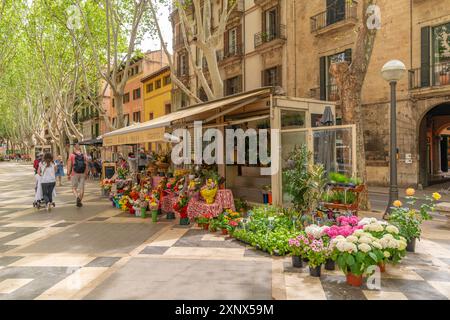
(166, 29)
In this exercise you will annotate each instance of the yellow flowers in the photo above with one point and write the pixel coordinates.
(397, 203)
(410, 192)
(436, 196)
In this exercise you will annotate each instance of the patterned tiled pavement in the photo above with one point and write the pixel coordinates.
(97, 252)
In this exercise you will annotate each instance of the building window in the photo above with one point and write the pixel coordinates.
(233, 86)
(271, 23)
(272, 77)
(114, 121)
(137, 94)
(335, 11)
(113, 103)
(168, 108)
(328, 87)
(158, 84)
(182, 64)
(441, 54)
(137, 116)
(167, 80)
(149, 87)
(202, 94)
(232, 42)
(150, 116)
(184, 100)
(126, 97)
(127, 119)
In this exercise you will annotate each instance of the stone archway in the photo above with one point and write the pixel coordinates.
(431, 144)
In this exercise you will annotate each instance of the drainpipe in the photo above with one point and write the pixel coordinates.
(244, 52)
(295, 47)
(411, 33)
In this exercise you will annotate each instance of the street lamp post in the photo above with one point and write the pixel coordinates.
(392, 72)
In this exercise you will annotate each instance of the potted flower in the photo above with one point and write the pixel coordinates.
(214, 224)
(317, 253)
(180, 207)
(298, 247)
(209, 191)
(204, 220)
(154, 206)
(409, 220)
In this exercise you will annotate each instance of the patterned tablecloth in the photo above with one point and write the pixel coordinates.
(224, 200)
(168, 202)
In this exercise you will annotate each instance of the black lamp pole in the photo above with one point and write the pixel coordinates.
(393, 187)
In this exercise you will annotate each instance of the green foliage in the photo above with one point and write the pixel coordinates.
(303, 182)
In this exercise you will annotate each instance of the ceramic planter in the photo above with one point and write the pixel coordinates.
(354, 280)
(315, 271)
(330, 265)
(297, 262)
(411, 245)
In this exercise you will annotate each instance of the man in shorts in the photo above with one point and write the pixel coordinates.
(77, 171)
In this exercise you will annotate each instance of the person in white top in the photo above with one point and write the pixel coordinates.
(47, 171)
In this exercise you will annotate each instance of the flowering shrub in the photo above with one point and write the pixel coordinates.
(409, 220)
(346, 227)
(315, 231)
(299, 245)
(317, 252)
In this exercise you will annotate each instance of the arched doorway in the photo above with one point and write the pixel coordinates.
(434, 145)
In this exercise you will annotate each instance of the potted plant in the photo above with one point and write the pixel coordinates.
(154, 206)
(214, 225)
(409, 220)
(203, 220)
(298, 252)
(181, 208)
(317, 252)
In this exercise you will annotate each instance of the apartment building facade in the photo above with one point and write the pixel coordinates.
(292, 44)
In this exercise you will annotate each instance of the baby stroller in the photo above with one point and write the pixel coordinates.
(38, 198)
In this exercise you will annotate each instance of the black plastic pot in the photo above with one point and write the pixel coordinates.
(305, 260)
(315, 272)
(170, 216)
(411, 245)
(297, 262)
(330, 265)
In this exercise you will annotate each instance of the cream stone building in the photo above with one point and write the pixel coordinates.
(291, 43)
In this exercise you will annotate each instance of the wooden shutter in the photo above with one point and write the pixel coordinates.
(280, 75)
(278, 23)
(323, 78)
(425, 57)
(178, 65)
(239, 39)
(226, 44)
(263, 22)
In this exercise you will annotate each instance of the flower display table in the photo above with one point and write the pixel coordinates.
(224, 200)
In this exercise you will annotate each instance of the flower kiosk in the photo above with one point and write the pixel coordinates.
(272, 125)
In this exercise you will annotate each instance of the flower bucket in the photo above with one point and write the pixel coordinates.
(137, 211)
(154, 215)
(315, 271)
(170, 215)
(297, 262)
(209, 195)
(330, 265)
(411, 245)
(354, 280)
(184, 221)
(143, 212)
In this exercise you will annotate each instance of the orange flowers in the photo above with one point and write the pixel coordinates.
(397, 203)
(410, 192)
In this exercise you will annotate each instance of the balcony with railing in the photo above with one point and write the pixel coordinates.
(435, 77)
(331, 93)
(335, 17)
(229, 55)
(275, 35)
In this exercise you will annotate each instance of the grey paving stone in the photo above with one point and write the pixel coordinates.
(154, 250)
(287, 267)
(446, 260)
(63, 224)
(6, 260)
(251, 252)
(94, 238)
(335, 288)
(185, 279)
(438, 275)
(99, 219)
(415, 289)
(43, 279)
(18, 232)
(103, 262)
(193, 238)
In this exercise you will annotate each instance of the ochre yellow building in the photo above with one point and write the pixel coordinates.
(157, 96)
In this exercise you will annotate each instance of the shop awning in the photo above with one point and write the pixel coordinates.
(153, 130)
(91, 142)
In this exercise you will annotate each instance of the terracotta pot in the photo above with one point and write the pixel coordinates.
(224, 232)
(205, 226)
(382, 267)
(411, 245)
(200, 225)
(297, 262)
(354, 280)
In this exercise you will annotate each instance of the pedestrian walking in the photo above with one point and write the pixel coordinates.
(77, 171)
(47, 172)
(59, 170)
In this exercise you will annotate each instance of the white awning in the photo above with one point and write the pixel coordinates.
(151, 131)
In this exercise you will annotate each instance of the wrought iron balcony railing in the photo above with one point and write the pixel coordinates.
(279, 32)
(334, 14)
(436, 75)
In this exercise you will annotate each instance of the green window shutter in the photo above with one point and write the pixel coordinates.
(323, 78)
(425, 57)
